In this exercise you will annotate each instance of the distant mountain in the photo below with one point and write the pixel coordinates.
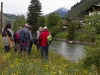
(11, 16)
(62, 11)
(25, 14)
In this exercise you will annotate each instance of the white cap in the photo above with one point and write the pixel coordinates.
(45, 27)
(26, 25)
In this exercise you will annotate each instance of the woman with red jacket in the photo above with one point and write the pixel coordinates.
(44, 43)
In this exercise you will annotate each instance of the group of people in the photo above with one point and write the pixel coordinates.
(24, 39)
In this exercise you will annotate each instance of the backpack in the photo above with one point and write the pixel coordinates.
(23, 35)
(49, 39)
(17, 36)
(4, 33)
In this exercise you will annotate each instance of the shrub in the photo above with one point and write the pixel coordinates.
(92, 58)
(62, 35)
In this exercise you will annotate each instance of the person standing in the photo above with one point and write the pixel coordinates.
(17, 40)
(37, 37)
(7, 32)
(31, 42)
(25, 39)
(44, 43)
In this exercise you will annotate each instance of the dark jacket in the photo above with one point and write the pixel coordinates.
(6, 32)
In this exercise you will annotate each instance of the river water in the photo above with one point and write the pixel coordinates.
(73, 52)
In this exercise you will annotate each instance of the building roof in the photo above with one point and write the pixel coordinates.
(93, 6)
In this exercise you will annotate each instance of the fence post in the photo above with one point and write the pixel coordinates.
(1, 17)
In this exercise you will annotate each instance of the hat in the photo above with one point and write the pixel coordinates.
(45, 27)
(26, 25)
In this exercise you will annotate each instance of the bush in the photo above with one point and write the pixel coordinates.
(81, 36)
(61, 35)
(71, 31)
(92, 58)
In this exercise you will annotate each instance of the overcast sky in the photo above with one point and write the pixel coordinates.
(20, 6)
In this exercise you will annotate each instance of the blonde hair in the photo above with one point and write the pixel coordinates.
(40, 28)
(19, 28)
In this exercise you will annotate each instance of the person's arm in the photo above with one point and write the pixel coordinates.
(38, 34)
(30, 35)
(8, 33)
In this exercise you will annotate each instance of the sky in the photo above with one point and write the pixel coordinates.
(21, 6)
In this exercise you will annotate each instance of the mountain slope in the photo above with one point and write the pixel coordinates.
(78, 10)
(62, 11)
(9, 17)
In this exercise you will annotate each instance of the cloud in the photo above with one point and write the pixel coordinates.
(21, 6)
(51, 5)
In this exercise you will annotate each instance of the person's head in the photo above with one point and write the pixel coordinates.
(45, 28)
(8, 25)
(30, 27)
(40, 29)
(20, 28)
(26, 25)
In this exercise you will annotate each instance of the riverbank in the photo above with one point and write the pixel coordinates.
(60, 39)
(75, 41)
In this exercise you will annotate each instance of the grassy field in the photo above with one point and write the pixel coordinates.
(13, 63)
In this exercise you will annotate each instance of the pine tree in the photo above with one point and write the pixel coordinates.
(34, 12)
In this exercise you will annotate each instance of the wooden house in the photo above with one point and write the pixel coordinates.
(93, 8)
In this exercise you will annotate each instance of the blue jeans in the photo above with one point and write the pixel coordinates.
(44, 52)
(26, 48)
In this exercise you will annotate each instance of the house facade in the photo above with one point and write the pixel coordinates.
(93, 9)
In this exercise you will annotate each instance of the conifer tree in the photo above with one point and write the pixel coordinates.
(34, 12)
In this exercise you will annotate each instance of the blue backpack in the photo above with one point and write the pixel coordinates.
(23, 35)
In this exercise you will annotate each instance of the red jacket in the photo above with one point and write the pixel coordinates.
(43, 38)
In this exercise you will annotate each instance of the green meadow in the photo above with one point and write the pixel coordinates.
(13, 63)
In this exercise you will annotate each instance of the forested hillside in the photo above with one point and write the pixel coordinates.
(9, 17)
(78, 10)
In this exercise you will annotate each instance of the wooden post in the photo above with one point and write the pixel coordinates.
(1, 17)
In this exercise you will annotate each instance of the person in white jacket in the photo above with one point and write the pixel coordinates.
(37, 37)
